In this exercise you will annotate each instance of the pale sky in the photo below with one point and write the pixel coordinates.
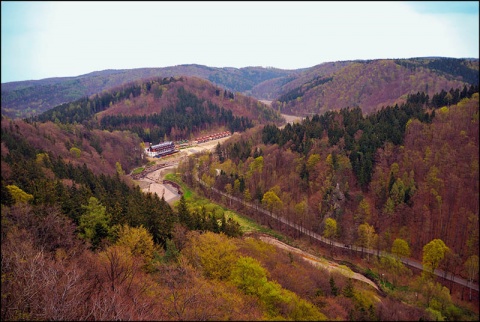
(57, 39)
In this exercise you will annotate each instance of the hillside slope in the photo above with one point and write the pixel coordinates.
(331, 85)
(168, 108)
(373, 84)
(29, 98)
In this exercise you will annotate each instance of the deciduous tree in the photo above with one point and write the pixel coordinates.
(433, 253)
(471, 266)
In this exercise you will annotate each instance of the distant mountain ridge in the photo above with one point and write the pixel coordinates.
(30, 98)
(373, 84)
(368, 84)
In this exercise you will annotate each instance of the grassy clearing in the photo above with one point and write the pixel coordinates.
(187, 192)
(138, 170)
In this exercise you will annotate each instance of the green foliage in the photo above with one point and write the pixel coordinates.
(330, 230)
(248, 275)
(138, 170)
(348, 290)
(471, 266)
(76, 152)
(120, 171)
(385, 125)
(366, 235)
(172, 254)
(363, 213)
(272, 201)
(433, 253)
(214, 254)
(333, 287)
(206, 216)
(138, 240)
(18, 195)
(251, 278)
(94, 223)
(400, 248)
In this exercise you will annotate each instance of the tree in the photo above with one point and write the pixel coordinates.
(214, 253)
(184, 216)
(94, 221)
(433, 253)
(248, 275)
(366, 237)
(349, 290)
(118, 265)
(363, 212)
(330, 231)
(119, 169)
(229, 190)
(400, 248)
(272, 201)
(471, 265)
(76, 152)
(18, 195)
(138, 240)
(333, 287)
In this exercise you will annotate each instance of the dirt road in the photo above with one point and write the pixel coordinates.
(153, 181)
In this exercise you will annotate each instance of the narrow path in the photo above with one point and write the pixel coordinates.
(317, 261)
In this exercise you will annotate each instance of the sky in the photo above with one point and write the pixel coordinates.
(43, 39)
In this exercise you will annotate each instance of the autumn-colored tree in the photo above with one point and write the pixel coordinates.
(118, 167)
(75, 152)
(363, 213)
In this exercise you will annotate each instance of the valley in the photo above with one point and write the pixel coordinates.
(367, 209)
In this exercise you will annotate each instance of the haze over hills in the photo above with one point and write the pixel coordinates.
(328, 86)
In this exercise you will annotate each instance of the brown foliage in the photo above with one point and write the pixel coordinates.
(57, 139)
(369, 85)
(443, 157)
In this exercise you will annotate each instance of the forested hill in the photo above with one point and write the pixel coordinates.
(408, 171)
(29, 98)
(328, 86)
(372, 84)
(177, 108)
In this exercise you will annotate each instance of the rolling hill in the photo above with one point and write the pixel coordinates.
(329, 86)
(177, 108)
(30, 98)
(373, 84)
